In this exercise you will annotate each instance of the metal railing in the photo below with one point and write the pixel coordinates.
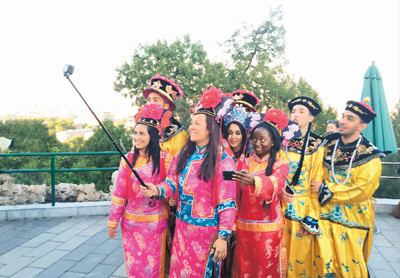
(53, 170)
(391, 163)
(390, 177)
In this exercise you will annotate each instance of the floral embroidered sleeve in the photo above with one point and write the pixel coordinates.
(360, 187)
(226, 207)
(269, 187)
(120, 194)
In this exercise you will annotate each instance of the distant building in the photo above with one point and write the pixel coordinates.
(108, 116)
(88, 120)
(66, 135)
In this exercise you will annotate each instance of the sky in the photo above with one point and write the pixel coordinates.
(329, 43)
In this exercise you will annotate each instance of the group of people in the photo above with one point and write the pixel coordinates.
(255, 195)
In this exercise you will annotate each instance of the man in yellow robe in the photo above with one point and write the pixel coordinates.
(352, 166)
(165, 92)
(300, 206)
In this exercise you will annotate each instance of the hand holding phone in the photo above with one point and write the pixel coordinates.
(228, 175)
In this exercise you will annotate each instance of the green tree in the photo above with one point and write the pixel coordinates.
(184, 61)
(100, 142)
(29, 136)
(251, 47)
(36, 136)
(59, 124)
(188, 65)
(258, 64)
(257, 55)
(389, 188)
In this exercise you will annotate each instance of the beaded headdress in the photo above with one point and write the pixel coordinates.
(238, 115)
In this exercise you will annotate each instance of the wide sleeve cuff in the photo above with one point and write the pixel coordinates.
(118, 201)
(112, 224)
(310, 224)
(257, 186)
(224, 234)
(167, 188)
(162, 191)
(324, 195)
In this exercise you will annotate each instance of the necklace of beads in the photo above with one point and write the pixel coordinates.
(351, 161)
(286, 148)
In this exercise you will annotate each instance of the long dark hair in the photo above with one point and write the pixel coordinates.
(242, 131)
(207, 168)
(153, 150)
(276, 139)
(296, 175)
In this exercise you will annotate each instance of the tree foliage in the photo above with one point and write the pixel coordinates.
(256, 63)
(38, 136)
(389, 188)
(29, 136)
(99, 141)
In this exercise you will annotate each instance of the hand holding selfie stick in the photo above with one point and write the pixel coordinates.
(68, 70)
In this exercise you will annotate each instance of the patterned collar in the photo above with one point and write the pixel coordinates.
(366, 151)
(142, 155)
(314, 143)
(174, 128)
(202, 149)
(263, 159)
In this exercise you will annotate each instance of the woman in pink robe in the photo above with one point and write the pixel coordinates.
(206, 202)
(144, 228)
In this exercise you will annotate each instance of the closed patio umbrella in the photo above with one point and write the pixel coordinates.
(380, 130)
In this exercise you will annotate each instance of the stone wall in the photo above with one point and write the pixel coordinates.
(18, 194)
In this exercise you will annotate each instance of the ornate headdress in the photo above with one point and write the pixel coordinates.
(166, 88)
(238, 115)
(311, 104)
(244, 97)
(362, 109)
(153, 115)
(277, 119)
(213, 103)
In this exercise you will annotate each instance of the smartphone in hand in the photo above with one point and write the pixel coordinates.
(227, 175)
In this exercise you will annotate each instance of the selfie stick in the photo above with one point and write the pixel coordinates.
(68, 70)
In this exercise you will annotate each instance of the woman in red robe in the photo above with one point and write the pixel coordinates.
(260, 220)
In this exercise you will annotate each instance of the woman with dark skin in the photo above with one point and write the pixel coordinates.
(260, 220)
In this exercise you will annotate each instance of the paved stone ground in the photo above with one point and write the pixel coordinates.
(80, 247)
